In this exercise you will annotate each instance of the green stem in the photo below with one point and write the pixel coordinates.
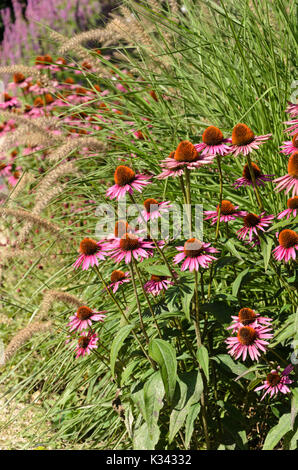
(220, 196)
(124, 316)
(199, 344)
(155, 243)
(188, 200)
(147, 298)
(254, 183)
(138, 303)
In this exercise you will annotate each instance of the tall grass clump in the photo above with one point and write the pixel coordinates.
(174, 341)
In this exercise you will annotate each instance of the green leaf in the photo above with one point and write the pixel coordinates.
(165, 356)
(232, 249)
(188, 392)
(203, 358)
(145, 440)
(149, 401)
(237, 283)
(117, 343)
(227, 363)
(158, 270)
(266, 247)
(277, 432)
(220, 309)
(190, 421)
(294, 405)
(187, 298)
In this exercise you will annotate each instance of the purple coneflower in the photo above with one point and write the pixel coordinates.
(154, 209)
(84, 317)
(126, 182)
(292, 109)
(290, 181)
(249, 341)
(293, 126)
(91, 251)
(14, 176)
(213, 142)
(288, 244)
(9, 102)
(290, 146)
(185, 156)
(118, 278)
(195, 253)
(276, 382)
(130, 246)
(248, 317)
(86, 342)
(157, 284)
(292, 209)
(246, 179)
(245, 141)
(253, 223)
(228, 212)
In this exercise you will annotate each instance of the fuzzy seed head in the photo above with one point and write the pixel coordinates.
(242, 135)
(256, 170)
(247, 335)
(121, 228)
(129, 242)
(246, 316)
(83, 313)
(212, 136)
(117, 275)
(149, 202)
(295, 140)
(273, 379)
(227, 208)
(193, 247)
(288, 238)
(293, 165)
(292, 203)
(88, 247)
(124, 175)
(19, 77)
(186, 152)
(83, 342)
(251, 220)
(157, 278)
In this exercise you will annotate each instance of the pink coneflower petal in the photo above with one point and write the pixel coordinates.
(244, 141)
(246, 179)
(248, 317)
(86, 342)
(290, 146)
(130, 246)
(195, 254)
(213, 143)
(228, 212)
(91, 251)
(252, 224)
(276, 382)
(288, 245)
(157, 284)
(118, 278)
(292, 209)
(84, 317)
(290, 181)
(249, 341)
(126, 182)
(292, 109)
